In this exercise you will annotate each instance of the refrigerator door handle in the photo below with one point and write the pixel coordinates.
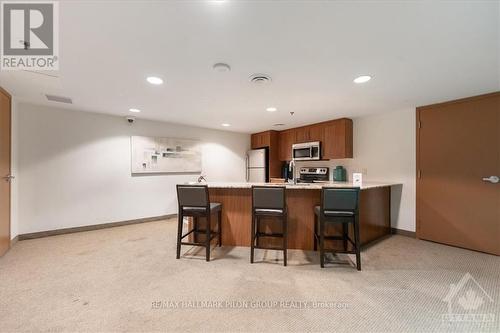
(246, 168)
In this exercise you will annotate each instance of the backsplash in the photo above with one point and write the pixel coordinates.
(349, 164)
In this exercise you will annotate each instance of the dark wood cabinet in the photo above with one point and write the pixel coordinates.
(317, 132)
(309, 133)
(301, 134)
(338, 139)
(261, 140)
(335, 137)
(286, 140)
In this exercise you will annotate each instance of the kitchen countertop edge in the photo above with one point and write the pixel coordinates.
(306, 186)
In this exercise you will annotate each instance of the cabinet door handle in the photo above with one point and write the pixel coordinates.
(492, 179)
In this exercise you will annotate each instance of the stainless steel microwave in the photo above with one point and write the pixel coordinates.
(307, 151)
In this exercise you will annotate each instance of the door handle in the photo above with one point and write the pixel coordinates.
(8, 178)
(492, 179)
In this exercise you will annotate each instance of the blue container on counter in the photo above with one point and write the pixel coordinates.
(339, 174)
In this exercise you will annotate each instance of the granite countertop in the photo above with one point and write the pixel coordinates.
(300, 186)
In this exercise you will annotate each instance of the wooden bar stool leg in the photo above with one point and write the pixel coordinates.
(252, 236)
(321, 242)
(219, 227)
(207, 240)
(344, 235)
(195, 228)
(285, 238)
(315, 240)
(357, 242)
(179, 234)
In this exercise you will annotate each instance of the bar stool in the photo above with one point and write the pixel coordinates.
(194, 202)
(268, 201)
(338, 205)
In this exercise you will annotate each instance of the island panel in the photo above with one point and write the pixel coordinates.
(236, 203)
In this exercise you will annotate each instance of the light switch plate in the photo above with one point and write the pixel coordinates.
(357, 179)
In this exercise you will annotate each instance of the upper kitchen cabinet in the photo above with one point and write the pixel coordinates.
(286, 140)
(309, 133)
(261, 140)
(337, 139)
(301, 134)
(316, 132)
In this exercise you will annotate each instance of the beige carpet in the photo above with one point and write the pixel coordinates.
(127, 279)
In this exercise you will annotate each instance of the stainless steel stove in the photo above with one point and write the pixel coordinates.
(313, 175)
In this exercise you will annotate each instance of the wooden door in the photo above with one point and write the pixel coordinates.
(5, 156)
(458, 144)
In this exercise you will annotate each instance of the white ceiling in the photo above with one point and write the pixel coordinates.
(418, 53)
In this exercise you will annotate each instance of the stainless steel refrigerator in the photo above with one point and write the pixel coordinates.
(257, 164)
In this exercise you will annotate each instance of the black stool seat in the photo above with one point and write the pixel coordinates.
(194, 202)
(268, 201)
(332, 213)
(340, 206)
(214, 206)
(274, 212)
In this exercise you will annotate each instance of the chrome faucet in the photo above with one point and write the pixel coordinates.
(202, 179)
(291, 168)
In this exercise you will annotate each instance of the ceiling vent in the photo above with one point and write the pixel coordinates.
(59, 99)
(260, 79)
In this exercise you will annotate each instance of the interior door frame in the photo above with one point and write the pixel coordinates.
(6, 93)
(418, 127)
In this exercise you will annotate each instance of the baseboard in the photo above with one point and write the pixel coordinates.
(402, 232)
(13, 241)
(91, 227)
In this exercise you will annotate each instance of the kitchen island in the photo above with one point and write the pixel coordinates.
(236, 199)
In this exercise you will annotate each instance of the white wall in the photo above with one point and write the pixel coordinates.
(385, 150)
(14, 188)
(73, 168)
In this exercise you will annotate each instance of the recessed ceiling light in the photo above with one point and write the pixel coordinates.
(221, 67)
(134, 110)
(271, 109)
(154, 80)
(226, 125)
(362, 79)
